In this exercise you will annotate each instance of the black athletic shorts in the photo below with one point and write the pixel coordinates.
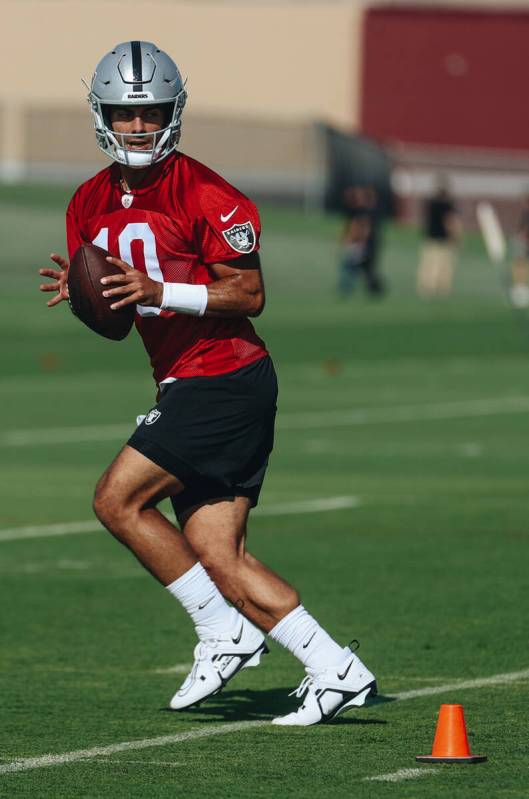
(214, 433)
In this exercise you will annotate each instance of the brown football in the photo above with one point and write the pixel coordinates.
(87, 267)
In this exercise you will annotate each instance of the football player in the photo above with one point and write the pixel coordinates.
(185, 246)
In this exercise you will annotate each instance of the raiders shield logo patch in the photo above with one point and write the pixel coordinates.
(152, 416)
(241, 238)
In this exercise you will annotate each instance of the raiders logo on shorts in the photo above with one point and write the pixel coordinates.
(241, 238)
(152, 416)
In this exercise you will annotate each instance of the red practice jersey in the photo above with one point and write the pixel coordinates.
(186, 219)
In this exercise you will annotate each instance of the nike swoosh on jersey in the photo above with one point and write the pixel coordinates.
(224, 218)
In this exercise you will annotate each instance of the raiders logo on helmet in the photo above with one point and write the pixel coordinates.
(241, 238)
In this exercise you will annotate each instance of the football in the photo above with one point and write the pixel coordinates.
(87, 267)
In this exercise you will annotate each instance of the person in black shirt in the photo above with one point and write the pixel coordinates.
(360, 241)
(442, 229)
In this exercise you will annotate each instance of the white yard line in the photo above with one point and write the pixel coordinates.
(25, 764)
(319, 505)
(66, 435)
(402, 774)
(307, 506)
(165, 763)
(457, 409)
(462, 685)
(45, 530)
(180, 668)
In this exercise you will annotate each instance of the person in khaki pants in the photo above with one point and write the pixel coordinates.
(519, 288)
(442, 228)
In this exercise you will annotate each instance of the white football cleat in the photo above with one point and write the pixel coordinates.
(330, 692)
(217, 660)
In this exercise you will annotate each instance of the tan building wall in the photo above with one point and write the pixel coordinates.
(278, 64)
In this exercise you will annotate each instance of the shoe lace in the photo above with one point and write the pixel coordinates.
(202, 652)
(308, 681)
(303, 687)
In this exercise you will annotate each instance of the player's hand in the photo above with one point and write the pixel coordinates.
(137, 287)
(59, 277)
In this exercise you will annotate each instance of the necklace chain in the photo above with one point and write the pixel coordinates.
(125, 186)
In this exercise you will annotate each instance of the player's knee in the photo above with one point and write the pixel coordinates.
(220, 565)
(107, 504)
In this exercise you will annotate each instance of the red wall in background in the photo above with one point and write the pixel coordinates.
(446, 77)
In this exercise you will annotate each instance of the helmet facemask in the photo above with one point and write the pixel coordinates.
(114, 144)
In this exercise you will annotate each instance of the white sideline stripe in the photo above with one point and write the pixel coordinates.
(27, 763)
(405, 413)
(480, 682)
(402, 774)
(165, 763)
(45, 530)
(308, 506)
(180, 668)
(280, 509)
(66, 435)
(459, 409)
(24, 764)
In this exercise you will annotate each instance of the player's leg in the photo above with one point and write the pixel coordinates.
(336, 678)
(125, 500)
(216, 531)
(446, 269)
(347, 275)
(426, 270)
(519, 289)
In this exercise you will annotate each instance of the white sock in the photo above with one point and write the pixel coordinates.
(301, 634)
(199, 595)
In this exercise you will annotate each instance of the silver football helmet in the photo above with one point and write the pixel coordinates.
(137, 73)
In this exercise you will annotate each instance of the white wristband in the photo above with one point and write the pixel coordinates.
(184, 298)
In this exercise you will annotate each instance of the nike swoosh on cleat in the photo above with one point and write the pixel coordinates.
(344, 675)
(224, 218)
(237, 640)
(308, 642)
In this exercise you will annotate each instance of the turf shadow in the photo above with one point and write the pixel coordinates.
(380, 699)
(242, 705)
(251, 705)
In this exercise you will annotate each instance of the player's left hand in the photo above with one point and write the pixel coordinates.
(137, 286)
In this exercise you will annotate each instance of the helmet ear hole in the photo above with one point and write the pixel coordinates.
(168, 110)
(105, 113)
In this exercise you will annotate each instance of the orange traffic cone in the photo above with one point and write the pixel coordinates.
(450, 744)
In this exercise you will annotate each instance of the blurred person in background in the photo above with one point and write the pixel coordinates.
(519, 290)
(359, 242)
(442, 231)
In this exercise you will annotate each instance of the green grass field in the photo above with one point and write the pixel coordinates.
(409, 418)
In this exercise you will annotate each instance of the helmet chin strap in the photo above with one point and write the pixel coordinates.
(136, 160)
